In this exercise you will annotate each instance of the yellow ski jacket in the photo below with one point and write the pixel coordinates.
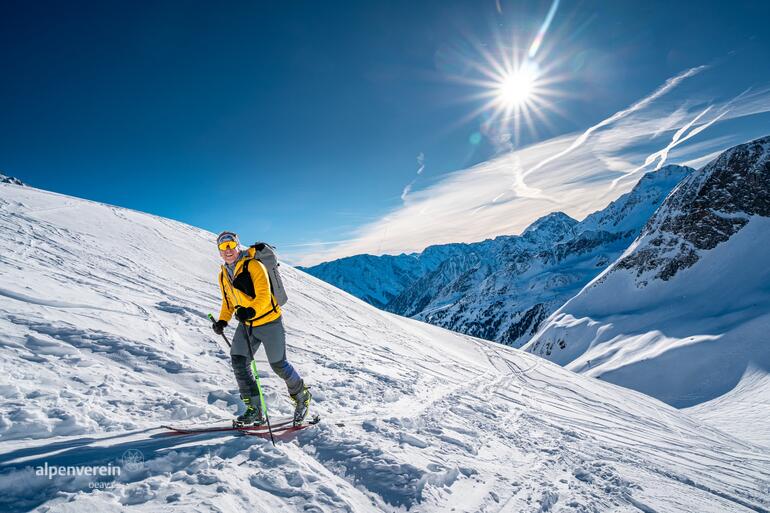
(233, 294)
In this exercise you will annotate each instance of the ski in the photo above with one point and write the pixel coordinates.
(280, 426)
(280, 433)
(227, 427)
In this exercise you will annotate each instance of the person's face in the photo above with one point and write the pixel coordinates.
(229, 254)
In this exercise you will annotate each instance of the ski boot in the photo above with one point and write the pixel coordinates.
(301, 403)
(253, 414)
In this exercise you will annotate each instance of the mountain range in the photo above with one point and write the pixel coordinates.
(502, 289)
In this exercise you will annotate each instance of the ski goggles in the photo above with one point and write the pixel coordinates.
(228, 244)
(227, 240)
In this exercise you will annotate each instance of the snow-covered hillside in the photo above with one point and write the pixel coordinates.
(684, 314)
(502, 289)
(103, 337)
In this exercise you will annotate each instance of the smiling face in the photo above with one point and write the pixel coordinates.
(228, 247)
(229, 255)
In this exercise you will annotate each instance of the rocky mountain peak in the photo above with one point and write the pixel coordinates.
(10, 179)
(706, 209)
(552, 227)
(633, 209)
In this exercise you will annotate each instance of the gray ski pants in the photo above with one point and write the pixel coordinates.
(273, 336)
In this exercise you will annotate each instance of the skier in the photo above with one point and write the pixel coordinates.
(246, 292)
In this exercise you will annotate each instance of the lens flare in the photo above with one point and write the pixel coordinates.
(518, 87)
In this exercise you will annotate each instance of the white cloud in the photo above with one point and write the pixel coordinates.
(641, 104)
(406, 190)
(699, 162)
(576, 173)
(420, 163)
(662, 155)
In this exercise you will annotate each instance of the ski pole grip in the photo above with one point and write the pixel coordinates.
(211, 317)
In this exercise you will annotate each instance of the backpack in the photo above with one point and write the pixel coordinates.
(265, 253)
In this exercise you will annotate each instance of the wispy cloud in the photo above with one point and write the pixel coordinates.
(641, 104)
(701, 121)
(703, 160)
(420, 168)
(406, 191)
(575, 173)
(662, 155)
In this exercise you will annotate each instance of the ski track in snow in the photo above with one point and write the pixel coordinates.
(104, 338)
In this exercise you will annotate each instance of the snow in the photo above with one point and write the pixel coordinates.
(743, 410)
(684, 314)
(10, 179)
(103, 337)
(685, 341)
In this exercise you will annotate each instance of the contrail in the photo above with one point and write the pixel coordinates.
(644, 102)
(406, 190)
(543, 29)
(677, 139)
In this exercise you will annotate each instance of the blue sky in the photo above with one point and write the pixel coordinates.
(302, 123)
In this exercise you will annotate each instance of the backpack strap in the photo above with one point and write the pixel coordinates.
(269, 282)
(222, 284)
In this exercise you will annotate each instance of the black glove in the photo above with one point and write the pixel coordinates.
(244, 314)
(219, 327)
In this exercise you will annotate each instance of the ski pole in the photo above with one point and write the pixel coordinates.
(256, 377)
(259, 386)
(223, 335)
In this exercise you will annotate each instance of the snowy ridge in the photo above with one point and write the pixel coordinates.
(10, 179)
(104, 337)
(684, 313)
(379, 279)
(707, 209)
(502, 289)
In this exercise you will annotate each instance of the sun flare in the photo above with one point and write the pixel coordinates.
(516, 88)
(519, 90)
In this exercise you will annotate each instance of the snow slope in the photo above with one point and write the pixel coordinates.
(684, 314)
(103, 337)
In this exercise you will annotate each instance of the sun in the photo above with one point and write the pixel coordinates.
(517, 91)
(516, 88)
(516, 85)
